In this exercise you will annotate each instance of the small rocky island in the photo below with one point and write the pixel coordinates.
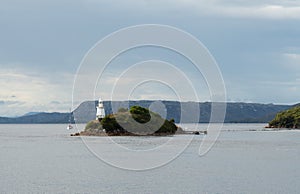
(287, 119)
(137, 121)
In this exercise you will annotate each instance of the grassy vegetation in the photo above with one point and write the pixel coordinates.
(93, 126)
(287, 119)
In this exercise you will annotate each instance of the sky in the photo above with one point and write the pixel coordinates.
(256, 45)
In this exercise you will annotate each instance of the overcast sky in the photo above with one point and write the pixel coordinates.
(255, 43)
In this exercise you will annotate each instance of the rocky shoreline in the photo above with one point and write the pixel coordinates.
(102, 133)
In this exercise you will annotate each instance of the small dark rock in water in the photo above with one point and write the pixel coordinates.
(75, 134)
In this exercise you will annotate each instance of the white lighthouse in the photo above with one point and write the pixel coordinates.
(100, 110)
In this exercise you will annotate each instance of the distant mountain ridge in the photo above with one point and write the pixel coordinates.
(39, 118)
(237, 112)
(32, 113)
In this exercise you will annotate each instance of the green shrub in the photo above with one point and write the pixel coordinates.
(287, 119)
(140, 114)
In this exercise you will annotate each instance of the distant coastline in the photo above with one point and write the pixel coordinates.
(238, 112)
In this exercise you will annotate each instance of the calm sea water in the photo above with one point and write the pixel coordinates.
(45, 159)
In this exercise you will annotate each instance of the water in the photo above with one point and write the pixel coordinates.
(45, 159)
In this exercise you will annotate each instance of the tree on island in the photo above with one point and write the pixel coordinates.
(287, 119)
(135, 121)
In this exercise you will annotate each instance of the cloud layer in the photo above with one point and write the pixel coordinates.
(256, 44)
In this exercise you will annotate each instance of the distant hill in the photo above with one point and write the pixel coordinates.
(235, 113)
(46, 118)
(31, 113)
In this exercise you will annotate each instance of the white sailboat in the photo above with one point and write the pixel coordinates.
(69, 127)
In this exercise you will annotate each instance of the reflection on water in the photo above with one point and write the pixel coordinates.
(44, 158)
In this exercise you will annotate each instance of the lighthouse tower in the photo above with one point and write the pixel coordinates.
(100, 110)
